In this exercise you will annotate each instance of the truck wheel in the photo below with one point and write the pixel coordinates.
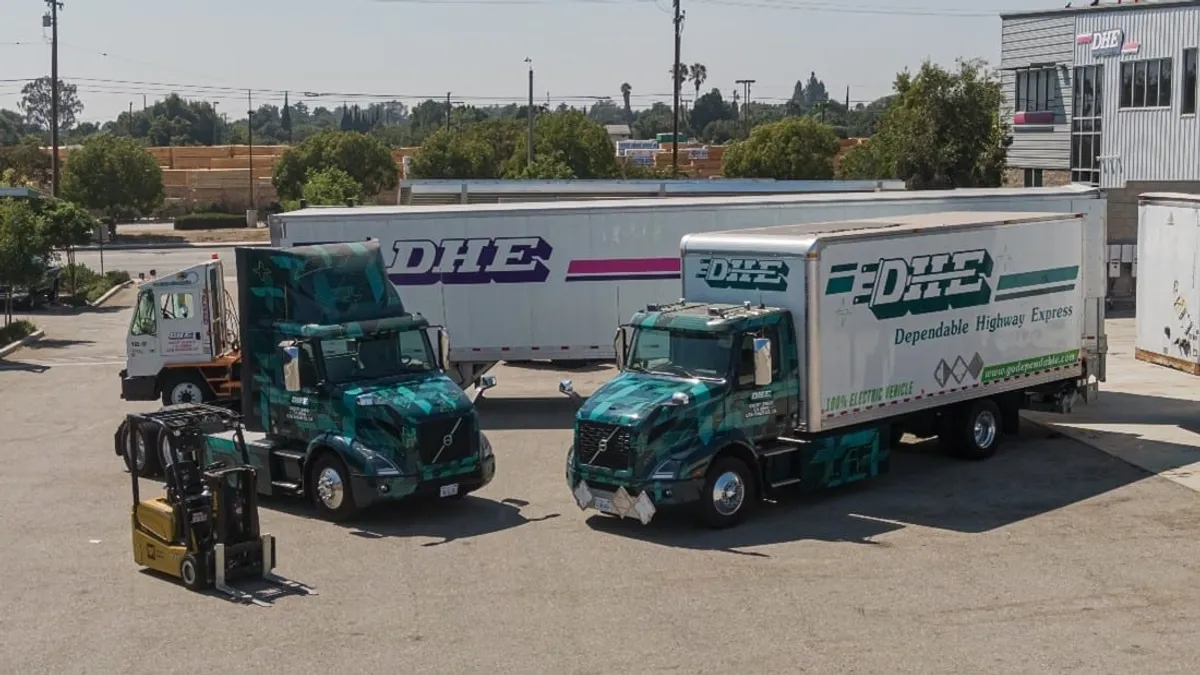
(185, 387)
(141, 452)
(978, 432)
(330, 488)
(730, 492)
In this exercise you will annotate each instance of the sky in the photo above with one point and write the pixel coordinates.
(120, 52)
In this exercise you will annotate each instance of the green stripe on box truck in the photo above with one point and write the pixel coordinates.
(1056, 275)
(1001, 371)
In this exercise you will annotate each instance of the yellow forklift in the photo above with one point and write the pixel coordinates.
(204, 531)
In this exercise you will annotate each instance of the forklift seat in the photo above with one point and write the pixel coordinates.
(183, 480)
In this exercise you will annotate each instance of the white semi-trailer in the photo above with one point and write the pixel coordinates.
(1168, 283)
(549, 281)
(800, 354)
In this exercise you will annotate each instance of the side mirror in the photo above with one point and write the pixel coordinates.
(620, 347)
(487, 382)
(289, 354)
(444, 350)
(566, 388)
(762, 362)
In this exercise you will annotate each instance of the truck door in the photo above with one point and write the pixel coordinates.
(765, 412)
(142, 352)
(212, 309)
(182, 333)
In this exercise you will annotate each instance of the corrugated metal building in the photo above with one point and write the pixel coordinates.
(1105, 95)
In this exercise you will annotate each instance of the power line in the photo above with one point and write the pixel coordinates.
(802, 5)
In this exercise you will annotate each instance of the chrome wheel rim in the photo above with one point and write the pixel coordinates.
(186, 392)
(729, 492)
(330, 489)
(985, 430)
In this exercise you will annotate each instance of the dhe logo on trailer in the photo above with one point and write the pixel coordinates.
(483, 260)
(894, 287)
(769, 274)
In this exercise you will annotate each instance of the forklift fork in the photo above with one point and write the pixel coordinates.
(268, 564)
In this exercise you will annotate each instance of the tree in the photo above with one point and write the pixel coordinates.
(363, 157)
(65, 225)
(680, 76)
(545, 167)
(477, 150)
(698, 73)
(626, 93)
(329, 187)
(12, 125)
(569, 137)
(27, 162)
(943, 128)
(113, 175)
(797, 148)
(657, 119)
(709, 108)
(21, 245)
(285, 118)
(814, 91)
(36, 103)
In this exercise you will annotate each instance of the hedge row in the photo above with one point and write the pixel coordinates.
(209, 221)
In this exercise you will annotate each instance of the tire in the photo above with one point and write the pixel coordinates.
(163, 443)
(977, 430)
(329, 485)
(185, 386)
(144, 459)
(193, 573)
(729, 476)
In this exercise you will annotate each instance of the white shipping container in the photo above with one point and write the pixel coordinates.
(1168, 282)
(523, 281)
(899, 315)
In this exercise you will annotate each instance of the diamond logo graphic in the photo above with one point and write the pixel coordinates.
(959, 371)
(941, 373)
(975, 367)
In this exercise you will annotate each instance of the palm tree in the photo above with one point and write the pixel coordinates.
(626, 92)
(681, 76)
(698, 76)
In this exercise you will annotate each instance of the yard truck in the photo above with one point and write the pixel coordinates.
(799, 356)
(343, 394)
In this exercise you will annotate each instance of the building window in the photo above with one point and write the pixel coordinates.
(1146, 84)
(1188, 105)
(1085, 124)
(1035, 89)
(1033, 178)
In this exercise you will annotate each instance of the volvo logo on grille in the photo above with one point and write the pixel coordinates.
(602, 446)
(447, 440)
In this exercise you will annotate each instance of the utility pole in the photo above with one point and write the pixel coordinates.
(529, 154)
(250, 140)
(746, 104)
(447, 110)
(675, 80)
(131, 119)
(55, 5)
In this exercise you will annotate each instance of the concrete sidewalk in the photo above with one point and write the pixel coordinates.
(1147, 415)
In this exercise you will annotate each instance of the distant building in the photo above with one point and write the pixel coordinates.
(1105, 96)
(618, 132)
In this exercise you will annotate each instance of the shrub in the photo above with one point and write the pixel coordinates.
(209, 221)
(92, 285)
(15, 331)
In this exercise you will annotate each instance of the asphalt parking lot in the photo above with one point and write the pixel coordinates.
(1052, 557)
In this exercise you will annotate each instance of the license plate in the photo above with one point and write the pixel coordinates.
(199, 517)
(602, 504)
(448, 490)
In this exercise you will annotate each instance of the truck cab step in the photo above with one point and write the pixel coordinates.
(283, 453)
(286, 487)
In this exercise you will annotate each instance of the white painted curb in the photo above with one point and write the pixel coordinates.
(14, 346)
(111, 292)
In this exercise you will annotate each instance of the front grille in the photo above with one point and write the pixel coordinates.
(616, 451)
(431, 436)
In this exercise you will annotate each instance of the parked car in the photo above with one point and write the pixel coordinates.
(40, 293)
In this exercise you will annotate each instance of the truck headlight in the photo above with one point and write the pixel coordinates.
(382, 465)
(485, 446)
(668, 470)
(570, 457)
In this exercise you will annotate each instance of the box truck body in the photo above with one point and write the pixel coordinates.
(1168, 283)
(549, 281)
(939, 324)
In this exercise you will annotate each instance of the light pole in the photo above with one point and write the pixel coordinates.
(529, 154)
(746, 104)
(52, 18)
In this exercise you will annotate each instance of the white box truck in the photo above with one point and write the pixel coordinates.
(1168, 286)
(800, 354)
(529, 281)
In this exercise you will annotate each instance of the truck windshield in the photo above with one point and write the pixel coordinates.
(699, 355)
(376, 356)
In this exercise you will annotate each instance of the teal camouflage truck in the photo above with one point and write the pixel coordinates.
(800, 355)
(344, 398)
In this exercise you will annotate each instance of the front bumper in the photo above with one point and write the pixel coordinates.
(140, 388)
(639, 501)
(375, 489)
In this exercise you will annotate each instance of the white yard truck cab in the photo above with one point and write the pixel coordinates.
(800, 355)
(182, 346)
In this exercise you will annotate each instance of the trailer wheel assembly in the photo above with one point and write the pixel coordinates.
(729, 494)
(977, 429)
